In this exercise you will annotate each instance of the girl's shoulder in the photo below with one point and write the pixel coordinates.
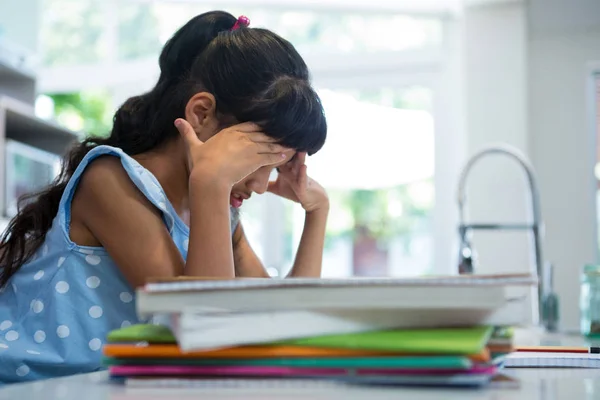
(107, 176)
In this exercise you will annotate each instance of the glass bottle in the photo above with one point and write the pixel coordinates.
(590, 301)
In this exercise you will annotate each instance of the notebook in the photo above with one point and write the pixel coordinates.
(461, 380)
(210, 283)
(142, 333)
(422, 341)
(413, 362)
(153, 383)
(173, 351)
(426, 341)
(210, 330)
(198, 295)
(551, 360)
(277, 371)
(140, 353)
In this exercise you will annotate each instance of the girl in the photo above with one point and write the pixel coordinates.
(159, 196)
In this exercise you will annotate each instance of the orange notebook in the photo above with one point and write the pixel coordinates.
(173, 351)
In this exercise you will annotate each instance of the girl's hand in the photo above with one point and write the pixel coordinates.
(294, 184)
(230, 155)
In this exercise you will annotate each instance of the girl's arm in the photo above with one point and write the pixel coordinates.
(210, 250)
(309, 259)
(294, 184)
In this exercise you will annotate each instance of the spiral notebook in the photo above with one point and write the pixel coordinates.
(551, 360)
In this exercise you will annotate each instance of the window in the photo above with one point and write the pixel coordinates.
(91, 31)
(72, 32)
(138, 31)
(316, 31)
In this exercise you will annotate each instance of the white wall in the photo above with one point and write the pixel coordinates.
(564, 35)
(450, 146)
(495, 76)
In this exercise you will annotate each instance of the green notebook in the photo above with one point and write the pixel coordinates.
(426, 362)
(426, 341)
(142, 333)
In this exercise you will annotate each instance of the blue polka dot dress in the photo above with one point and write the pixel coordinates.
(57, 309)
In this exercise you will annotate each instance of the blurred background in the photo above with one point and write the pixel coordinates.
(411, 89)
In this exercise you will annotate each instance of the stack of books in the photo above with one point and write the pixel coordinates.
(448, 357)
(426, 331)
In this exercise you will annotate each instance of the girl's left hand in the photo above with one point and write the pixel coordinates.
(294, 184)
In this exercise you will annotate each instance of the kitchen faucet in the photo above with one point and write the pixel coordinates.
(467, 258)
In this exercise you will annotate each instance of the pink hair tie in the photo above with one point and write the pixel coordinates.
(241, 21)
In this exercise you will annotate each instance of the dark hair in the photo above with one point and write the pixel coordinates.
(254, 74)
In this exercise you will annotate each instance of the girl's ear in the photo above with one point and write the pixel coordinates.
(200, 112)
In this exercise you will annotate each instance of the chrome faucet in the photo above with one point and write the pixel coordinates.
(467, 256)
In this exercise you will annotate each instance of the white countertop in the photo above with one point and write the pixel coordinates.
(538, 384)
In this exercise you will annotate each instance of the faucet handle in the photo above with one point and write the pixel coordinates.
(549, 299)
(466, 255)
(466, 259)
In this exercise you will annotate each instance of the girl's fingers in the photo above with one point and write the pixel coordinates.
(271, 158)
(187, 133)
(266, 144)
(259, 137)
(273, 187)
(286, 173)
(301, 157)
(270, 148)
(303, 178)
(299, 161)
(250, 128)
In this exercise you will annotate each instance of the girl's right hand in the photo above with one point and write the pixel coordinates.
(230, 155)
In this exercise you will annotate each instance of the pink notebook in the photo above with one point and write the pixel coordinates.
(264, 371)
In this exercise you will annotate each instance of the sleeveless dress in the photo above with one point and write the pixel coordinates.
(57, 309)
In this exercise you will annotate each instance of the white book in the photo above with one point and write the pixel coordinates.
(205, 284)
(246, 295)
(196, 331)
